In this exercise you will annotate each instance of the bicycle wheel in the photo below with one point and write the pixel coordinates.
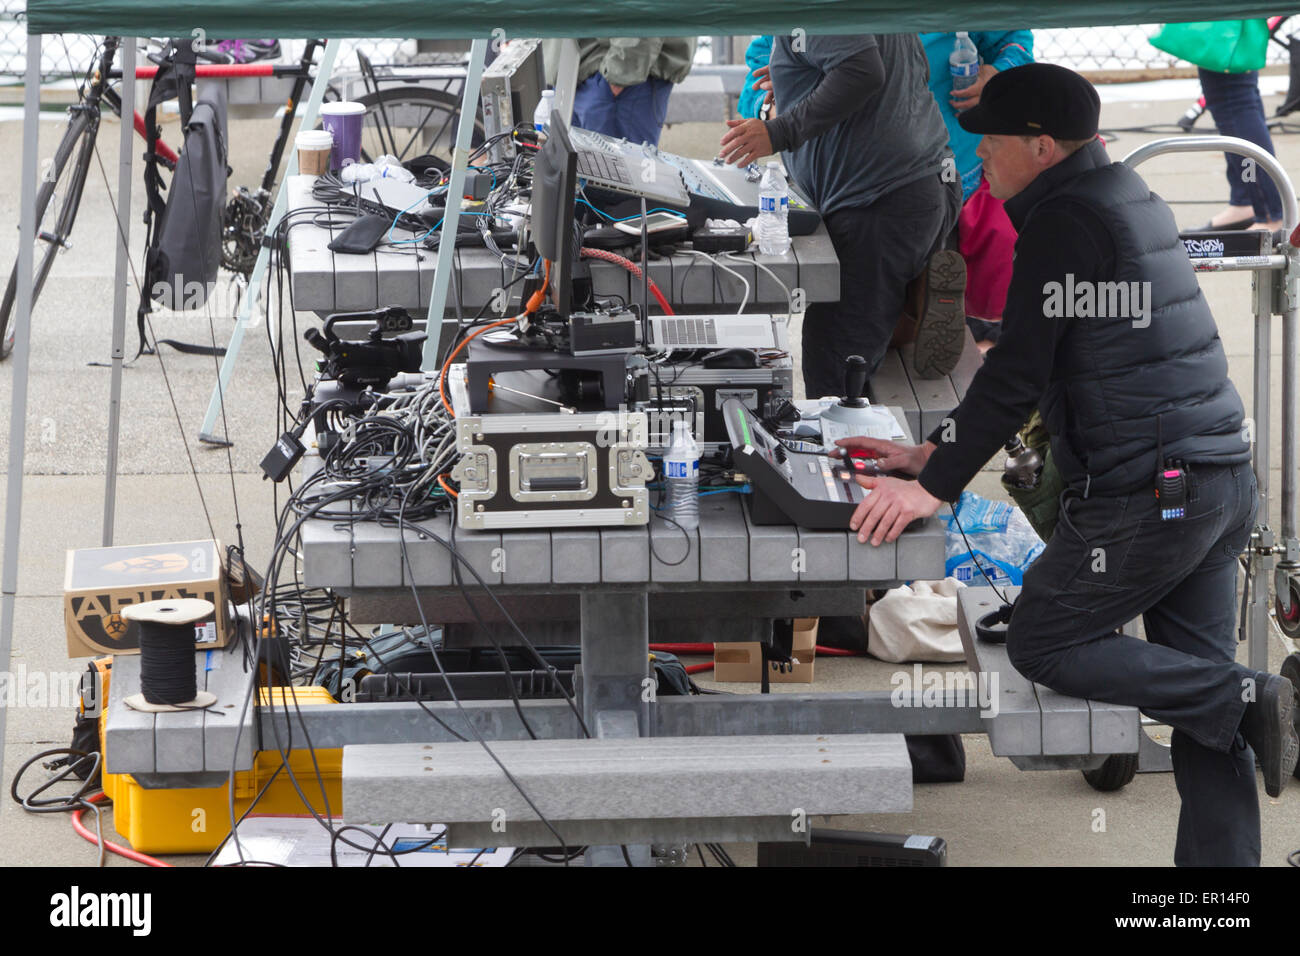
(57, 200)
(407, 122)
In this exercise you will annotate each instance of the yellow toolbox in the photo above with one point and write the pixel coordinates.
(195, 820)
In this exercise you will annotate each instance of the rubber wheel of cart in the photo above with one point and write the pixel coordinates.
(1290, 621)
(1114, 774)
(1290, 669)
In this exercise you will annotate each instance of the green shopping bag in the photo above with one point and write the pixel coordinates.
(1221, 46)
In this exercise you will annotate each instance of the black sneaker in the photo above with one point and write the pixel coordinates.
(1269, 728)
(941, 326)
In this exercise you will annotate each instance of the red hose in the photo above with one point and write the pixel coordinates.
(631, 267)
(112, 847)
(683, 648)
(697, 668)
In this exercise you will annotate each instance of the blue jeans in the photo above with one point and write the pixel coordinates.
(1111, 559)
(1234, 102)
(637, 114)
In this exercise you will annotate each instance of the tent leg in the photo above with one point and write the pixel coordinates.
(451, 220)
(21, 358)
(260, 267)
(120, 285)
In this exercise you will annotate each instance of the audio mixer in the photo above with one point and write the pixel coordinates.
(810, 489)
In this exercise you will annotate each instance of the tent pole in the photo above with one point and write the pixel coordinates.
(120, 283)
(21, 357)
(321, 81)
(451, 220)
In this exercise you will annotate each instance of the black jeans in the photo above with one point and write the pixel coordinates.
(1111, 559)
(881, 248)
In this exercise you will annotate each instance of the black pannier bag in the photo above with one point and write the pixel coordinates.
(183, 252)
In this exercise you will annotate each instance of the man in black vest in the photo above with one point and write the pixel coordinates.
(1107, 333)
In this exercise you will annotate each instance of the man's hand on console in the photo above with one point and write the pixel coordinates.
(889, 455)
(745, 142)
(892, 505)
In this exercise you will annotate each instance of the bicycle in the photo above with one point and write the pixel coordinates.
(428, 116)
(63, 182)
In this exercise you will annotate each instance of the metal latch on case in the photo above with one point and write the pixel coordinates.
(633, 466)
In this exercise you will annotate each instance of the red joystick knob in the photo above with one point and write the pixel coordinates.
(1295, 237)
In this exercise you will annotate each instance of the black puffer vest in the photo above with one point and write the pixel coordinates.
(1120, 367)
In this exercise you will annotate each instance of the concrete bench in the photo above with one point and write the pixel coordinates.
(325, 281)
(637, 790)
(727, 552)
(925, 402)
(1037, 728)
(194, 748)
(698, 99)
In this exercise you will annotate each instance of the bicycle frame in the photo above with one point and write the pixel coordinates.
(302, 73)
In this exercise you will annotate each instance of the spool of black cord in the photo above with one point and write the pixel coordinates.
(168, 678)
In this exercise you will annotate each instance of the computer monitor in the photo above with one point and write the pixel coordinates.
(555, 177)
(512, 87)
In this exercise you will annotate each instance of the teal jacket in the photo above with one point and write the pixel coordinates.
(757, 54)
(1003, 50)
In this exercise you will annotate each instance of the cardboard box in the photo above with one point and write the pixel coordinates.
(100, 582)
(742, 661)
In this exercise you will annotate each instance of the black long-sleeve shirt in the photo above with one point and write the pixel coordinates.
(851, 82)
(1063, 237)
(857, 117)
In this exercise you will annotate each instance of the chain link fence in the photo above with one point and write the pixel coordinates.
(1122, 49)
(66, 56)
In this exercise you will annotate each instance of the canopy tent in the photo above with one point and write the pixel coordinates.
(567, 18)
(487, 20)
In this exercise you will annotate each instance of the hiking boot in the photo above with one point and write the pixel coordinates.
(1269, 727)
(941, 317)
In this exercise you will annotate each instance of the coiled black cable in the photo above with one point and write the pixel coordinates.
(167, 673)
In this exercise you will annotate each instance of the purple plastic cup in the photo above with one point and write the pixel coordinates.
(344, 121)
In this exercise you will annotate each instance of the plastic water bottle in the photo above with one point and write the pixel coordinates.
(682, 477)
(772, 229)
(964, 62)
(542, 115)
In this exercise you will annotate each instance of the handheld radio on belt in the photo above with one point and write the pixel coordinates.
(1171, 482)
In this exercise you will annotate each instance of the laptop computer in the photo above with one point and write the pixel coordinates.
(618, 166)
(728, 330)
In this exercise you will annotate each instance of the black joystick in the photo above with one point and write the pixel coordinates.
(851, 415)
(855, 382)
